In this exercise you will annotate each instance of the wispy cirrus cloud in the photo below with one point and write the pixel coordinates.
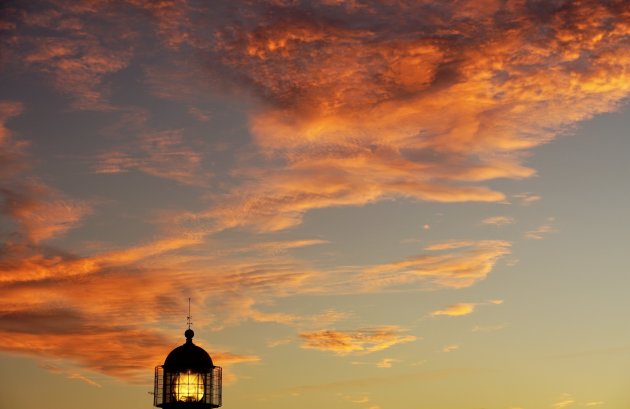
(450, 348)
(444, 265)
(564, 401)
(386, 362)
(163, 154)
(135, 350)
(360, 341)
(539, 232)
(47, 292)
(8, 110)
(70, 374)
(12, 150)
(498, 221)
(39, 211)
(527, 198)
(367, 382)
(48, 299)
(66, 44)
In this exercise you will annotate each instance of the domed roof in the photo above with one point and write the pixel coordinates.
(188, 356)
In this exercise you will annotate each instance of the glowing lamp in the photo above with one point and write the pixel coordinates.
(188, 379)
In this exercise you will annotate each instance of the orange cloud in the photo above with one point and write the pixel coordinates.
(42, 212)
(351, 111)
(357, 113)
(472, 262)
(460, 309)
(134, 350)
(48, 301)
(415, 103)
(362, 341)
(48, 298)
(456, 310)
(67, 43)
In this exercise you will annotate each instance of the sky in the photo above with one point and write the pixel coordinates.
(371, 204)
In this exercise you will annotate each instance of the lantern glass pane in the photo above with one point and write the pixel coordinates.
(188, 387)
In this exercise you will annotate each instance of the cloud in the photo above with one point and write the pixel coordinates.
(363, 399)
(461, 309)
(540, 232)
(286, 195)
(353, 105)
(348, 104)
(12, 150)
(564, 401)
(75, 46)
(279, 342)
(446, 265)
(163, 154)
(526, 199)
(498, 221)
(41, 212)
(8, 110)
(134, 349)
(70, 374)
(450, 348)
(386, 362)
(48, 295)
(199, 115)
(361, 341)
(364, 383)
(83, 378)
(456, 310)
(129, 294)
(346, 97)
(48, 304)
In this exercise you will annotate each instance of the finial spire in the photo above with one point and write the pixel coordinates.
(189, 317)
(189, 333)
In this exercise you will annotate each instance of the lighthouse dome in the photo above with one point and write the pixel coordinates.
(188, 357)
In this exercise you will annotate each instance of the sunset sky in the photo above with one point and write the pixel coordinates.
(385, 204)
